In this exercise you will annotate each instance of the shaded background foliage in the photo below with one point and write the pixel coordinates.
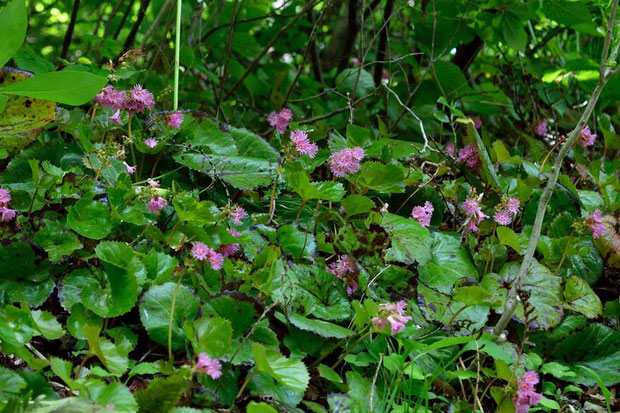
(396, 77)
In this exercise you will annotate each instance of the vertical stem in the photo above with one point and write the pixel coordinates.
(174, 301)
(565, 251)
(177, 55)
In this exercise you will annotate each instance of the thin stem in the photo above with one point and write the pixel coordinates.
(174, 301)
(301, 207)
(350, 348)
(565, 251)
(177, 55)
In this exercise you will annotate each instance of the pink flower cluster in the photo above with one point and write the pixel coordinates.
(135, 100)
(470, 155)
(209, 366)
(477, 121)
(450, 148)
(507, 211)
(475, 214)
(586, 137)
(237, 214)
(302, 144)
(526, 396)
(344, 268)
(595, 221)
(392, 314)
(175, 119)
(345, 161)
(151, 142)
(280, 120)
(541, 128)
(156, 204)
(6, 213)
(201, 252)
(423, 214)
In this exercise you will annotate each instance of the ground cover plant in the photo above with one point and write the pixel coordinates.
(309, 206)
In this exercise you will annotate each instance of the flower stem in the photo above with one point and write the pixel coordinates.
(174, 301)
(565, 251)
(177, 55)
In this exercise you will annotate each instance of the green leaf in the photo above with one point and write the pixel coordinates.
(579, 297)
(380, 177)
(80, 318)
(67, 87)
(11, 382)
(46, 324)
(162, 394)
(475, 295)
(159, 266)
(543, 287)
(211, 335)
(330, 191)
(155, 313)
(253, 146)
(113, 358)
(238, 171)
(291, 373)
(261, 407)
(411, 242)
(22, 118)
(56, 241)
(113, 394)
(191, 210)
(450, 262)
(124, 271)
(329, 374)
(241, 313)
(3, 101)
(62, 369)
(513, 31)
(517, 242)
(296, 242)
(348, 79)
(357, 204)
(90, 219)
(567, 12)
(13, 24)
(320, 327)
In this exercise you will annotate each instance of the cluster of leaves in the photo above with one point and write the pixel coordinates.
(104, 307)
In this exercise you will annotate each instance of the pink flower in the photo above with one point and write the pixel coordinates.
(234, 233)
(5, 196)
(469, 154)
(280, 120)
(472, 210)
(450, 148)
(394, 314)
(595, 222)
(209, 366)
(130, 169)
(175, 119)
(153, 184)
(423, 214)
(526, 397)
(385, 74)
(156, 204)
(345, 269)
(384, 208)
(356, 61)
(116, 118)
(513, 205)
(237, 214)
(477, 121)
(215, 259)
(200, 251)
(302, 144)
(109, 97)
(346, 161)
(7, 213)
(541, 128)
(586, 137)
(502, 217)
(151, 142)
(228, 250)
(138, 100)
